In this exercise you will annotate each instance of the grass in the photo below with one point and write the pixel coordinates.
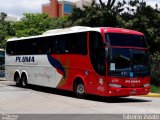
(155, 89)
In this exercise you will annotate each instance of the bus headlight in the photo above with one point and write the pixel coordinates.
(146, 85)
(115, 85)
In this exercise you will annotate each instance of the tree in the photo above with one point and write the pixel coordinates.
(35, 24)
(3, 16)
(109, 4)
(146, 19)
(32, 24)
(93, 16)
(6, 29)
(60, 22)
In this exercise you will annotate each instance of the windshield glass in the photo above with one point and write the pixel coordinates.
(120, 60)
(128, 62)
(118, 39)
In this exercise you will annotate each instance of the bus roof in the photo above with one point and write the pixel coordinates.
(66, 30)
(120, 30)
(77, 29)
(62, 31)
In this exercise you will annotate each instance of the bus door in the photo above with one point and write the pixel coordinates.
(97, 58)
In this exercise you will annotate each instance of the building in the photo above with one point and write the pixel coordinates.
(11, 18)
(58, 8)
(62, 7)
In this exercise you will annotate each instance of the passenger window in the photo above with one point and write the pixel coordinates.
(75, 43)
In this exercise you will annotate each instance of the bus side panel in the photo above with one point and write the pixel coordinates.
(70, 66)
(56, 71)
(75, 66)
(38, 69)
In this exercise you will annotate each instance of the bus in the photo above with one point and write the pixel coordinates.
(102, 61)
(2, 64)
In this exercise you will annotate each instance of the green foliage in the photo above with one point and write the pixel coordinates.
(2, 38)
(155, 68)
(155, 89)
(3, 16)
(60, 22)
(109, 4)
(144, 19)
(93, 16)
(36, 24)
(6, 29)
(32, 24)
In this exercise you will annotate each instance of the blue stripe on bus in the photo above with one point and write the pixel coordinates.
(56, 64)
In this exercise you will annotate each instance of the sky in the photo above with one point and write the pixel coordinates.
(18, 7)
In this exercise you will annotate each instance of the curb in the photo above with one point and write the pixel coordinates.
(152, 95)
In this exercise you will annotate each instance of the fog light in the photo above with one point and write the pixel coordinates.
(146, 85)
(114, 85)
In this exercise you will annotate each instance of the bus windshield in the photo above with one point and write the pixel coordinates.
(129, 62)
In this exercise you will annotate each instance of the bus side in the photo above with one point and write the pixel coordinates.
(57, 61)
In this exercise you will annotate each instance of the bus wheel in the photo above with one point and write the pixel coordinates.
(79, 90)
(24, 81)
(18, 81)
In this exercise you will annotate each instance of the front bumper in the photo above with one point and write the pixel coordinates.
(127, 91)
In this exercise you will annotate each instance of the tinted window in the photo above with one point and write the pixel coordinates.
(128, 62)
(38, 45)
(20, 46)
(52, 45)
(11, 48)
(120, 59)
(117, 39)
(27, 47)
(68, 44)
(63, 44)
(97, 53)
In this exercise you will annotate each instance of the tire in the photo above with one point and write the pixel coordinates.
(24, 81)
(18, 81)
(79, 90)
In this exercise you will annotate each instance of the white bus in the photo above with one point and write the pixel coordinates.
(29, 60)
(101, 61)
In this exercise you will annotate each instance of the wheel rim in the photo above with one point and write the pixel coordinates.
(80, 88)
(24, 81)
(17, 80)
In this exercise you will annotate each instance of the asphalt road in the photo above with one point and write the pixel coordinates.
(40, 100)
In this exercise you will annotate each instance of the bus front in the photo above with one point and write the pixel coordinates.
(127, 57)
